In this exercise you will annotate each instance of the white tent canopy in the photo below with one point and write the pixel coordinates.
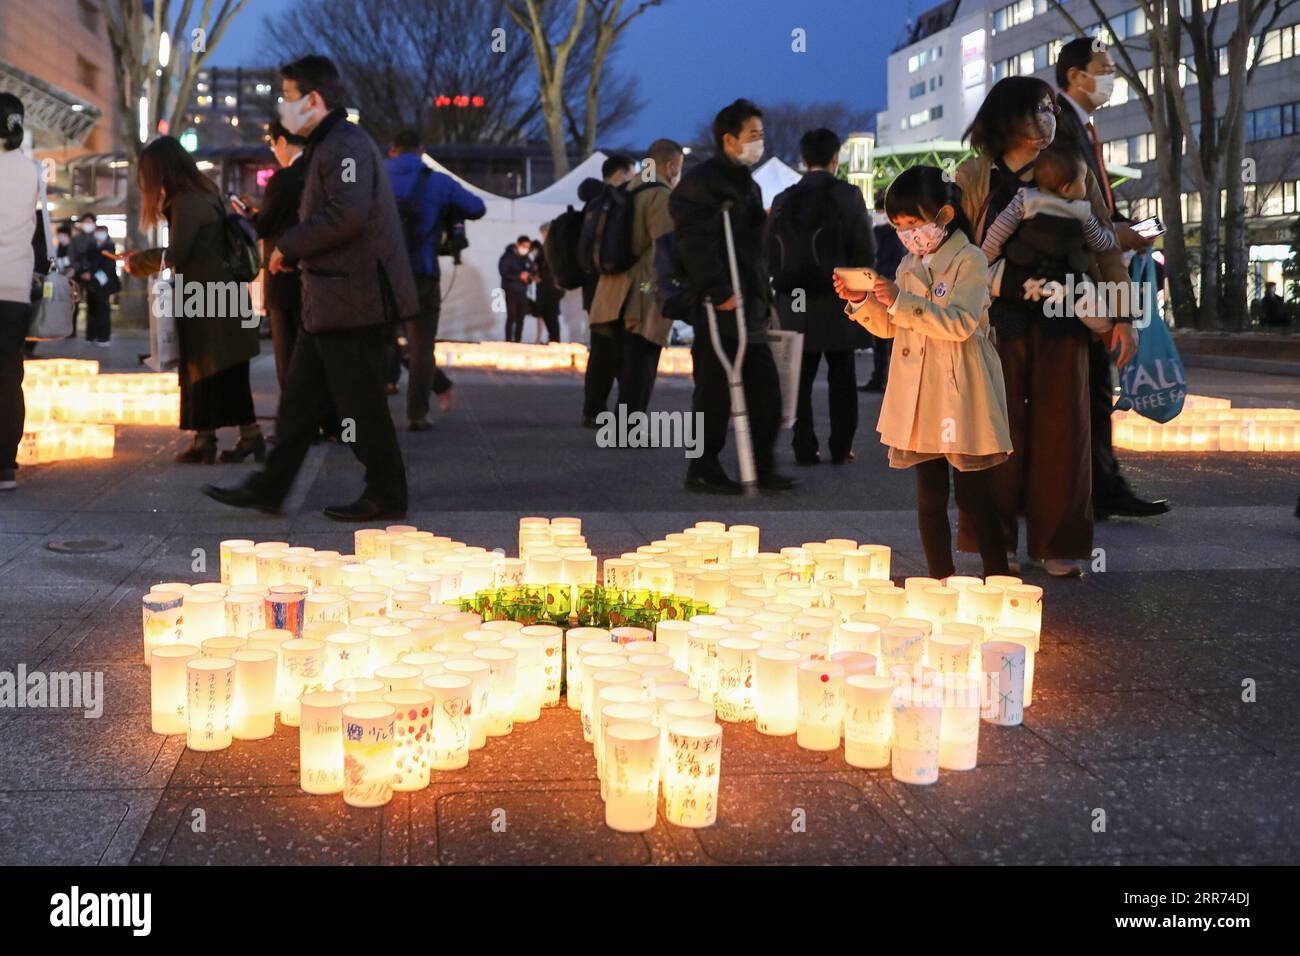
(773, 178)
(473, 308)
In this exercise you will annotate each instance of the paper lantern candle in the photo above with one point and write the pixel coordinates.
(617, 704)
(320, 742)
(914, 594)
(590, 665)
(694, 766)
(736, 678)
(632, 776)
(887, 600)
(982, 605)
(368, 728)
(868, 720)
(821, 705)
(574, 638)
(949, 653)
(503, 664)
(357, 689)
(552, 639)
(959, 724)
(168, 688)
(1028, 640)
(221, 646)
(302, 670)
(480, 677)
(203, 615)
(211, 682)
(388, 643)
(1024, 608)
(530, 678)
(161, 621)
(347, 654)
(776, 691)
(254, 704)
(243, 613)
(429, 662)
(243, 564)
(1004, 683)
(284, 607)
(917, 712)
(450, 710)
(399, 676)
(411, 737)
(901, 645)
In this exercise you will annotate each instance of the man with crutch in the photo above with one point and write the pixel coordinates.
(709, 262)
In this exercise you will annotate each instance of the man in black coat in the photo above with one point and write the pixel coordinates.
(282, 291)
(516, 269)
(817, 224)
(724, 182)
(1085, 75)
(356, 281)
(89, 265)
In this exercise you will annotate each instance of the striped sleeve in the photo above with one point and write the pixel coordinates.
(1004, 226)
(1098, 237)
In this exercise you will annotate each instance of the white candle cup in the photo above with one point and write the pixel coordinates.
(452, 711)
(160, 621)
(702, 660)
(243, 614)
(254, 703)
(302, 670)
(361, 689)
(399, 676)
(363, 542)
(425, 633)
(857, 636)
(552, 640)
(982, 605)
(459, 623)
(821, 705)
(412, 737)
(320, 742)
(776, 691)
(347, 654)
(809, 627)
(429, 662)
(509, 573)
(1028, 640)
(880, 560)
(243, 565)
(666, 694)
(868, 720)
(389, 643)
(503, 664)
(670, 711)
(888, 600)
(480, 677)
(319, 630)
(503, 628)
(847, 599)
(168, 688)
(959, 724)
(642, 647)
(211, 683)
(914, 588)
(1004, 683)
(203, 615)
(630, 691)
(617, 705)
(1003, 581)
(901, 645)
(949, 653)
(630, 635)
(1023, 607)
(938, 604)
(211, 587)
(368, 728)
(809, 650)
(735, 701)
(917, 714)
(694, 766)
(325, 607)
(855, 662)
(530, 678)
(574, 638)
(268, 639)
(632, 788)
(221, 646)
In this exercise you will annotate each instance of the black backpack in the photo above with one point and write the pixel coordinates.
(613, 251)
(242, 258)
(672, 294)
(806, 240)
(561, 249)
(587, 239)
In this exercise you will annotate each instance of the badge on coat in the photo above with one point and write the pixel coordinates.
(941, 290)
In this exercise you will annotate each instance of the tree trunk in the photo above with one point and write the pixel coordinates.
(1208, 317)
(553, 114)
(1232, 298)
(1177, 262)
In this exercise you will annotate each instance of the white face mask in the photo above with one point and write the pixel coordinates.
(1105, 86)
(751, 152)
(923, 240)
(295, 115)
(101, 236)
(87, 227)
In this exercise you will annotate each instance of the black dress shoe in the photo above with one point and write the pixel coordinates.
(1129, 506)
(241, 497)
(711, 484)
(255, 446)
(807, 461)
(363, 509)
(775, 481)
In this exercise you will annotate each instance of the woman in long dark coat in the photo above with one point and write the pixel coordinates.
(215, 349)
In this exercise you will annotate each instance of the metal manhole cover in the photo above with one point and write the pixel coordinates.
(83, 545)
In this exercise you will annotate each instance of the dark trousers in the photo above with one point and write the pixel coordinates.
(636, 377)
(712, 397)
(880, 352)
(346, 366)
(974, 503)
(285, 324)
(1048, 477)
(549, 313)
(517, 307)
(424, 376)
(604, 361)
(99, 325)
(14, 320)
(842, 382)
(1107, 482)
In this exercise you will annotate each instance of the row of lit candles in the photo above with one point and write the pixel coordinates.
(1211, 424)
(884, 682)
(60, 442)
(553, 356)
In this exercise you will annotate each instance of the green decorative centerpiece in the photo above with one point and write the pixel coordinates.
(584, 606)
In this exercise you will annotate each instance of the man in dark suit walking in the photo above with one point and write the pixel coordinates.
(356, 282)
(1085, 75)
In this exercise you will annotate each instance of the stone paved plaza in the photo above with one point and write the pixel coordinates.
(1138, 705)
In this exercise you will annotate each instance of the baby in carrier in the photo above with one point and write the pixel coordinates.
(1052, 228)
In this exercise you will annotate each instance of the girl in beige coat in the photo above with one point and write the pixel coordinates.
(945, 403)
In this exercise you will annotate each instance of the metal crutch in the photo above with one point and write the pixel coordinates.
(739, 410)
